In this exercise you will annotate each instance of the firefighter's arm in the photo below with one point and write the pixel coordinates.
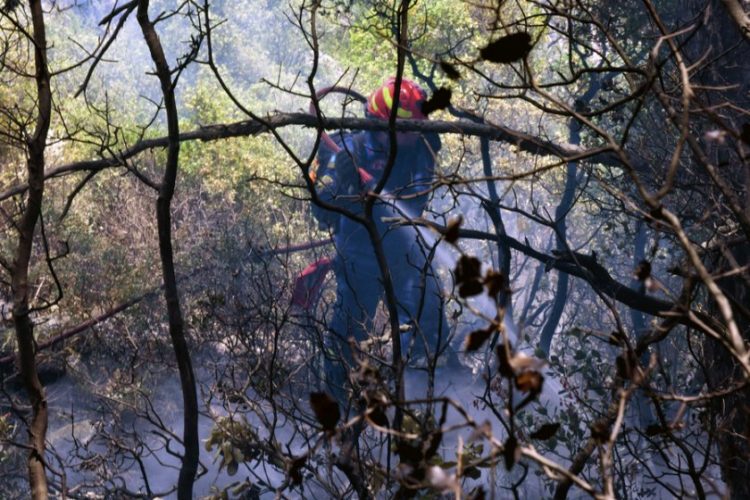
(347, 175)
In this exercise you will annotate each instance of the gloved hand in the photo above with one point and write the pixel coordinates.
(351, 178)
(366, 180)
(347, 174)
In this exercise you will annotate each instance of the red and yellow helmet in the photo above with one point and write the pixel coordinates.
(380, 102)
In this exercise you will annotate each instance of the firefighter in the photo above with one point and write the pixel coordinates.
(353, 170)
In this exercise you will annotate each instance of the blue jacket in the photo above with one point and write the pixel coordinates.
(344, 176)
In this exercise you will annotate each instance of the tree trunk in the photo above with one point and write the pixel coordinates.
(22, 259)
(561, 228)
(731, 412)
(190, 458)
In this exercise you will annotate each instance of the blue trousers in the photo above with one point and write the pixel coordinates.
(360, 288)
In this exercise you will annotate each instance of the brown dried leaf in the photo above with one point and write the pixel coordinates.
(472, 472)
(470, 289)
(450, 70)
(745, 135)
(643, 270)
(496, 283)
(378, 417)
(408, 453)
(503, 359)
(467, 269)
(477, 494)
(477, 338)
(546, 431)
(655, 430)
(295, 469)
(467, 275)
(511, 452)
(452, 230)
(326, 410)
(530, 381)
(507, 49)
(441, 99)
(600, 430)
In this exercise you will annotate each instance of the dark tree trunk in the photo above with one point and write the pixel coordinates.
(732, 412)
(190, 458)
(20, 273)
(561, 228)
(731, 73)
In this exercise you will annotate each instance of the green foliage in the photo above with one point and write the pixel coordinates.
(367, 41)
(235, 442)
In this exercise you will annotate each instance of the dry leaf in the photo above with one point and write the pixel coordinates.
(546, 431)
(507, 49)
(530, 381)
(326, 410)
(450, 70)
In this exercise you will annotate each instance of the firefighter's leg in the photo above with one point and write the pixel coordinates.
(420, 298)
(358, 292)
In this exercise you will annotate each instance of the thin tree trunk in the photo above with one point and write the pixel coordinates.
(640, 326)
(190, 458)
(561, 229)
(20, 273)
(566, 203)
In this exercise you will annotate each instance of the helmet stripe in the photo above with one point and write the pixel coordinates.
(387, 98)
(402, 113)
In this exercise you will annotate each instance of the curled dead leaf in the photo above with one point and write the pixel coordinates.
(326, 410)
(295, 469)
(452, 229)
(441, 99)
(530, 381)
(546, 431)
(503, 358)
(511, 452)
(477, 338)
(507, 49)
(450, 70)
